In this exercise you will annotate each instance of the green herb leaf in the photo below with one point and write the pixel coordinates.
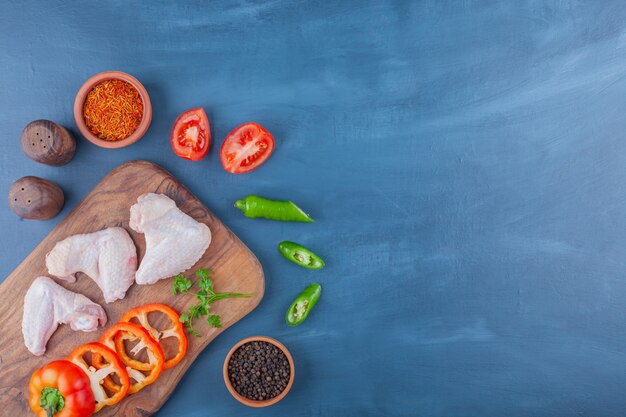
(198, 311)
(203, 273)
(181, 285)
(206, 284)
(205, 297)
(214, 320)
(202, 297)
(191, 330)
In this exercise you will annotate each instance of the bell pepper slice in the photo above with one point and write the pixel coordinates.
(177, 330)
(111, 365)
(61, 389)
(134, 367)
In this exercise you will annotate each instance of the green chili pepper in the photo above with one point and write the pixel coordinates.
(299, 309)
(300, 255)
(254, 206)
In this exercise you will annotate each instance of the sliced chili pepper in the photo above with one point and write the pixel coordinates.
(302, 305)
(177, 330)
(156, 359)
(300, 255)
(112, 364)
(254, 206)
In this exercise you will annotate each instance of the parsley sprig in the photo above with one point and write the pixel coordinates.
(206, 296)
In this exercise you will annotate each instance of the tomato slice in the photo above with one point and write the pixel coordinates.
(191, 135)
(246, 148)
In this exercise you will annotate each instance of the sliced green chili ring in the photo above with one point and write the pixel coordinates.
(254, 206)
(303, 304)
(300, 255)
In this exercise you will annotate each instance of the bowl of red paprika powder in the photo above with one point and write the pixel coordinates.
(112, 110)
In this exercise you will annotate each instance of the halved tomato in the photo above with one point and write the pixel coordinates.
(246, 148)
(191, 135)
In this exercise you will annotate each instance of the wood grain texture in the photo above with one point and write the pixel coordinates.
(36, 198)
(234, 267)
(48, 143)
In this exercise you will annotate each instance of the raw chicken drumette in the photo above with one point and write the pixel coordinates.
(47, 304)
(174, 240)
(109, 257)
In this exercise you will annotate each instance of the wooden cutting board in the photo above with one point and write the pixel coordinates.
(234, 267)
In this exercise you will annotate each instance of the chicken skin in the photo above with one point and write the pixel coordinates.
(108, 256)
(174, 240)
(47, 304)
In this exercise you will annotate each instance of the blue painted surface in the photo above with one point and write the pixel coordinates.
(465, 162)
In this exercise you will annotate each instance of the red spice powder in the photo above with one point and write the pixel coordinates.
(113, 110)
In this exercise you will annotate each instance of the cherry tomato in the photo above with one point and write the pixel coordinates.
(191, 135)
(246, 148)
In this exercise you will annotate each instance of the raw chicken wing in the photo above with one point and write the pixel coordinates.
(47, 304)
(174, 241)
(109, 257)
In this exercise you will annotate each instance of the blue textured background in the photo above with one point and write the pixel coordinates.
(465, 162)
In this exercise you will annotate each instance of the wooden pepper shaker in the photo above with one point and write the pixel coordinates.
(48, 143)
(35, 198)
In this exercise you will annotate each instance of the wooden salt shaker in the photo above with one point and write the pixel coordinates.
(48, 143)
(36, 198)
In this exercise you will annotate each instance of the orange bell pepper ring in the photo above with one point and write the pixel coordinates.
(177, 330)
(61, 389)
(134, 367)
(111, 365)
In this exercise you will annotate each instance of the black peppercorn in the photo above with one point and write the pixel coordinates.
(259, 370)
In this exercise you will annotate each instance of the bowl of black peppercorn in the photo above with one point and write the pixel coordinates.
(258, 371)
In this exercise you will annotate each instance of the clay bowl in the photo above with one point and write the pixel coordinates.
(255, 403)
(80, 101)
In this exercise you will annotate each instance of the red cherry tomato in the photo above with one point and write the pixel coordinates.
(246, 148)
(191, 135)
